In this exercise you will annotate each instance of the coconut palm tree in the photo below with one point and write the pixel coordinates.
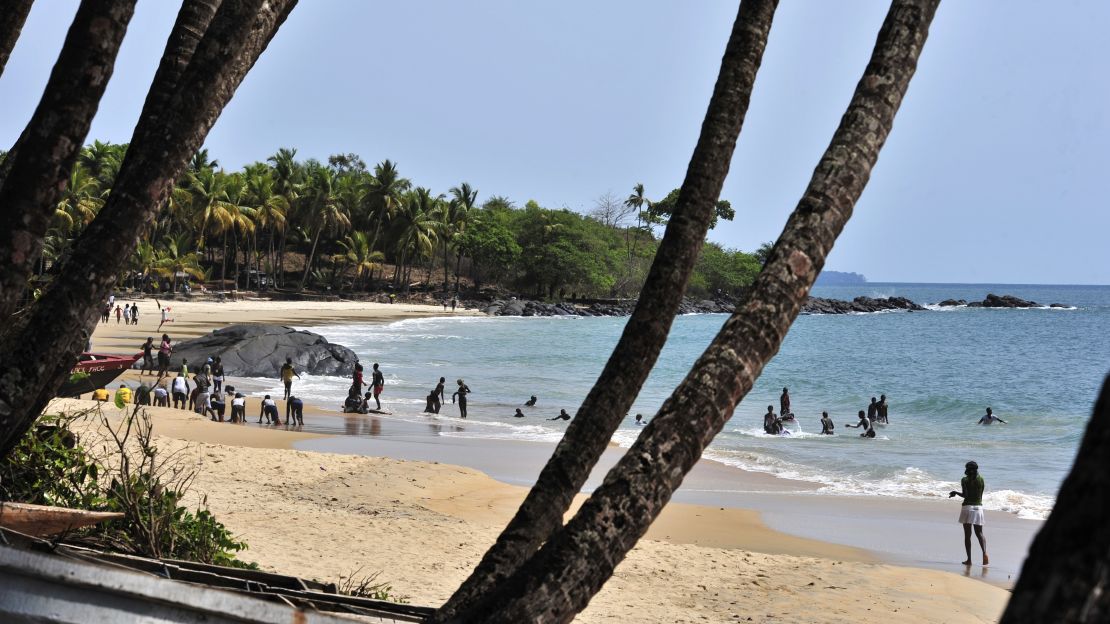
(357, 254)
(463, 200)
(270, 208)
(81, 199)
(288, 178)
(384, 195)
(208, 203)
(320, 208)
(415, 221)
(171, 260)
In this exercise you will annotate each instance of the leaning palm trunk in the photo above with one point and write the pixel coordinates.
(41, 163)
(11, 23)
(632, 359)
(41, 351)
(558, 581)
(1066, 576)
(311, 256)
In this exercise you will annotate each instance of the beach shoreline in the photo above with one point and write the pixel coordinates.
(719, 507)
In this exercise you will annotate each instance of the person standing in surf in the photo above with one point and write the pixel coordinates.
(287, 373)
(437, 395)
(784, 403)
(971, 510)
(865, 424)
(461, 395)
(378, 382)
(883, 410)
(827, 425)
(873, 410)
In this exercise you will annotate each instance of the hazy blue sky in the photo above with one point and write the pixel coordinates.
(995, 171)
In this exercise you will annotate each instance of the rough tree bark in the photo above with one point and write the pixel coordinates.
(1066, 576)
(557, 582)
(39, 169)
(11, 23)
(40, 352)
(188, 29)
(635, 354)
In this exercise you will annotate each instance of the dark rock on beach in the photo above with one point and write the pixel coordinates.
(260, 350)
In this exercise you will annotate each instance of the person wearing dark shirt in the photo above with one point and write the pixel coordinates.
(784, 403)
(437, 395)
(971, 511)
(563, 415)
(142, 394)
(873, 410)
(294, 411)
(518, 414)
(531, 402)
(378, 383)
(217, 375)
(148, 356)
(460, 394)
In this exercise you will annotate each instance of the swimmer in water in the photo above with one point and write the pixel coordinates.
(990, 419)
(827, 425)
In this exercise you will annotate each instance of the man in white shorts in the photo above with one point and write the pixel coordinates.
(971, 511)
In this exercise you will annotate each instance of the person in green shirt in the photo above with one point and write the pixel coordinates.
(971, 511)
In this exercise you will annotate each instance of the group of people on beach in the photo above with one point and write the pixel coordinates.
(775, 424)
(127, 314)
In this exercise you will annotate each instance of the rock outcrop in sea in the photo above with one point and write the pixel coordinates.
(814, 305)
(859, 305)
(248, 350)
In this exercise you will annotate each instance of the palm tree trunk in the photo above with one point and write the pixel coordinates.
(281, 257)
(40, 163)
(11, 23)
(223, 263)
(570, 567)
(458, 268)
(40, 352)
(311, 255)
(632, 359)
(1063, 578)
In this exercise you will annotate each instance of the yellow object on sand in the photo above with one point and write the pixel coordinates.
(123, 397)
(100, 395)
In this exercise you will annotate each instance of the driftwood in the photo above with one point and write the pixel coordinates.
(42, 520)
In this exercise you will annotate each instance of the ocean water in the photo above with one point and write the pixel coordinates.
(1039, 369)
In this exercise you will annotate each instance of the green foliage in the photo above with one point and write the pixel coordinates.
(349, 221)
(50, 467)
(724, 270)
(660, 211)
(490, 245)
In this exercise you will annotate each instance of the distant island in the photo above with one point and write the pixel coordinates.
(839, 278)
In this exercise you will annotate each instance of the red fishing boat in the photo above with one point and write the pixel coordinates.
(96, 370)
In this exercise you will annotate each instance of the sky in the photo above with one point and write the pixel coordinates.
(994, 172)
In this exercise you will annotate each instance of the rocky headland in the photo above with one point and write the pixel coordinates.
(813, 305)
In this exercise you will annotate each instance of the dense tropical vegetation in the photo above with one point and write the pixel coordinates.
(343, 226)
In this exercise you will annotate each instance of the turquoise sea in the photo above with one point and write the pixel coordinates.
(1039, 369)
